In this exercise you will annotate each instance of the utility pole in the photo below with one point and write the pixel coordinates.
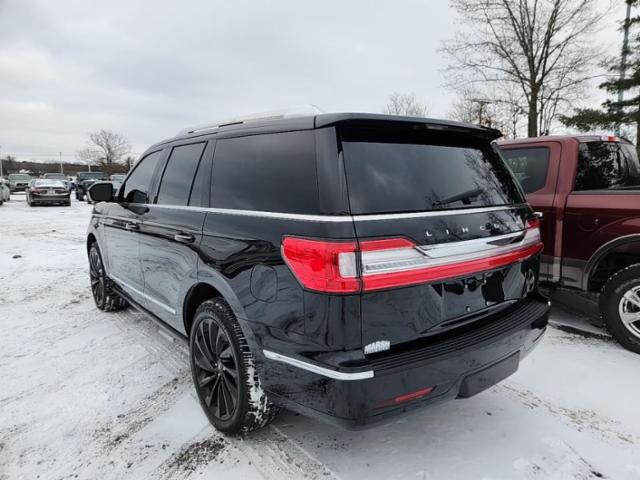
(60, 157)
(623, 60)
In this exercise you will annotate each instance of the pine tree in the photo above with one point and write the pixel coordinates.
(614, 113)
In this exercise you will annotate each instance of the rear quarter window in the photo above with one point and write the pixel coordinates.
(529, 165)
(270, 172)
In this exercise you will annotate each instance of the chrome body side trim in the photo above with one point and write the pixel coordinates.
(336, 218)
(142, 294)
(310, 367)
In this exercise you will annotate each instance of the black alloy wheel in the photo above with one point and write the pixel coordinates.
(96, 274)
(224, 373)
(104, 296)
(216, 369)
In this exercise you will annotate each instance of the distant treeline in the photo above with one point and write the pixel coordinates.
(40, 168)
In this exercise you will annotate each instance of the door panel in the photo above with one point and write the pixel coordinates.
(123, 256)
(544, 200)
(171, 231)
(169, 242)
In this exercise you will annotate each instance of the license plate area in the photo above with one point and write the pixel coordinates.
(489, 376)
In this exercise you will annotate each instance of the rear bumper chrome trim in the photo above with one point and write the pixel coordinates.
(310, 367)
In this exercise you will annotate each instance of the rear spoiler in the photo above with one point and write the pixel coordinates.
(374, 119)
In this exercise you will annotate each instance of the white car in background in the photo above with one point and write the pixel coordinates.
(5, 192)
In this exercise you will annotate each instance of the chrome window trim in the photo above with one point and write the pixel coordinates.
(435, 213)
(310, 367)
(142, 294)
(337, 218)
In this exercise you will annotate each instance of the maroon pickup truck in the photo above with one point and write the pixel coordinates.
(587, 189)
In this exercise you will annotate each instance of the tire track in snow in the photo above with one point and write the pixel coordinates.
(269, 450)
(578, 419)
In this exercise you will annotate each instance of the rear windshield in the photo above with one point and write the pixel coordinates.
(48, 183)
(19, 176)
(56, 176)
(407, 172)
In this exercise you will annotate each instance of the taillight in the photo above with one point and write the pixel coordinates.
(349, 266)
(325, 266)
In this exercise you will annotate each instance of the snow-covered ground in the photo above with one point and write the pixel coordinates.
(86, 394)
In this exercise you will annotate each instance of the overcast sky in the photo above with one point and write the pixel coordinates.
(147, 69)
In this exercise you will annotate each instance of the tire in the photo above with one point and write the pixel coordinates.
(620, 307)
(67, 203)
(213, 363)
(104, 295)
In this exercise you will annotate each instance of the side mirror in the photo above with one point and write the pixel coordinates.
(101, 192)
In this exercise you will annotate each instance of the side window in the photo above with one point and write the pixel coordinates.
(136, 190)
(272, 172)
(529, 165)
(202, 181)
(603, 166)
(177, 179)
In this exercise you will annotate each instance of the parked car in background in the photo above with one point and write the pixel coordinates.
(117, 177)
(85, 180)
(18, 182)
(58, 176)
(588, 190)
(48, 192)
(5, 192)
(350, 267)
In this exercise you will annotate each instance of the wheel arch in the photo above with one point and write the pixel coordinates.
(91, 239)
(614, 255)
(211, 287)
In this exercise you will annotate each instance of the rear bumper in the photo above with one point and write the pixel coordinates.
(61, 198)
(457, 367)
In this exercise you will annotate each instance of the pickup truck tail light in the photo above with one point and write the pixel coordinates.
(369, 265)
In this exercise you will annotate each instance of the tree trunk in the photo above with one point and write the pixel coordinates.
(532, 127)
(638, 137)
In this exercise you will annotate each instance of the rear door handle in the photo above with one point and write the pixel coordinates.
(132, 227)
(184, 238)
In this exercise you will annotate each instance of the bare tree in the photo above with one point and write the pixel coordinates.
(543, 47)
(502, 109)
(105, 149)
(406, 104)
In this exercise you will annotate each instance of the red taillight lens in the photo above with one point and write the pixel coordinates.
(348, 267)
(324, 266)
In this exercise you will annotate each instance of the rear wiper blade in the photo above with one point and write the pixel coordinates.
(465, 197)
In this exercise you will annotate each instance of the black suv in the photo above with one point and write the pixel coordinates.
(345, 266)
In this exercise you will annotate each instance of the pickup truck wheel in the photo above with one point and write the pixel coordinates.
(223, 371)
(104, 295)
(620, 307)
